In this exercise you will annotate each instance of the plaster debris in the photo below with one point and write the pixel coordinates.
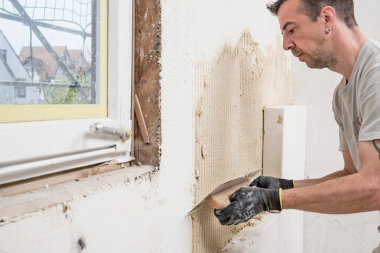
(199, 111)
(81, 243)
(280, 119)
(203, 151)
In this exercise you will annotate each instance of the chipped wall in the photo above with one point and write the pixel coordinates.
(112, 212)
(230, 57)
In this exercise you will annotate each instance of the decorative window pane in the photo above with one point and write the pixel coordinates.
(50, 48)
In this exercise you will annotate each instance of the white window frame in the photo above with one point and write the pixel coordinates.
(31, 149)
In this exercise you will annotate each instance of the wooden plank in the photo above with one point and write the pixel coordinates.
(141, 121)
(147, 78)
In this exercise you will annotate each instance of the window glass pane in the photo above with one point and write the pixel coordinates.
(49, 52)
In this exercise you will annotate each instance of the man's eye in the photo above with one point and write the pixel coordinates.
(291, 31)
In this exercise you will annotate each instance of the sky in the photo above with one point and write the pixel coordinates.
(19, 35)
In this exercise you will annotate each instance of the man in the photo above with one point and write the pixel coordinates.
(324, 34)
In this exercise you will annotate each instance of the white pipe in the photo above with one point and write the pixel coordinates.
(48, 166)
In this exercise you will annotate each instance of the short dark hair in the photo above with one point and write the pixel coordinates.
(312, 8)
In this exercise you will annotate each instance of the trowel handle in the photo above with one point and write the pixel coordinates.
(222, 199)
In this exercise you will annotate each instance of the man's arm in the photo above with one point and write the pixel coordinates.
(349, 168)
(339, 193)
(353, 193)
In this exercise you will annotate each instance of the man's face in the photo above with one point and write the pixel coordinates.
(306, 39)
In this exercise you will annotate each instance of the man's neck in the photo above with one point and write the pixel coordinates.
(347, 44)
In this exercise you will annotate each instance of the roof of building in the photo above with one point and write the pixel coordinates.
(12, 61)
(40, 52)
(75, 55)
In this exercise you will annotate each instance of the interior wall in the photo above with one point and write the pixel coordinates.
(233, 64)
(221, 63)
(314, 88)
(145, 214)
(111, 212)
(228, 128)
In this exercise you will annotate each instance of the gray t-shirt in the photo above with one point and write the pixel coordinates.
(357, 105)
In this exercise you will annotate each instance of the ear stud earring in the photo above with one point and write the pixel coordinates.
(327, 30)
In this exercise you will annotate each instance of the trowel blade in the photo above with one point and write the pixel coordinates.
(227, 185)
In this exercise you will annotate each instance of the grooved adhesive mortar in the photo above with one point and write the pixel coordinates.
(230, 94)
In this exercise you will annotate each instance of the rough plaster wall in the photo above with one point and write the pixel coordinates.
(228, 128)
(129, 216)
(119, 217)
(228, 131)
(220, 52)
(355, 233)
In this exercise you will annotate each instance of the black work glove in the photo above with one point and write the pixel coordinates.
(248, 202)
(272, 183)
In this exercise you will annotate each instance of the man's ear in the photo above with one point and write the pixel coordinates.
(328, 16)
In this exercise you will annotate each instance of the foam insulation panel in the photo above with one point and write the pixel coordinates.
(285, 141)
(284, 156)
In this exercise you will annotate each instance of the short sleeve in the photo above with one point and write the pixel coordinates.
(337, 106)
(343, 146)
(369, 95)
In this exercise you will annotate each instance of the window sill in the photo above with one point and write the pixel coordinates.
(19, 205)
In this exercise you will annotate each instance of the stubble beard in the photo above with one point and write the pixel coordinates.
(322, 58)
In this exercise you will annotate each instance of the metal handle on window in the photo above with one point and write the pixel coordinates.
(123, 132)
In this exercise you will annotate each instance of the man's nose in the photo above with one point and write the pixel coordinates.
(287, 43)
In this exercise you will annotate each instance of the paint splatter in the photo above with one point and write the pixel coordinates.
(81, 243)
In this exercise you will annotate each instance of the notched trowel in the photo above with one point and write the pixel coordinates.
(219, 198)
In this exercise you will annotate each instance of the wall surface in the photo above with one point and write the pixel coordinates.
(221, 63)
(112, 212)
(355, 233)
(220, 52)
(219, 66)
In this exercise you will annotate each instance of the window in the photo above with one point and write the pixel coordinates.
(64, 65)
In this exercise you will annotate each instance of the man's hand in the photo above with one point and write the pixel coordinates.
(272, 183)
(248, 202)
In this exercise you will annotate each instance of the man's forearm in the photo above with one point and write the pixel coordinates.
(349, 194)
(310, 182)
